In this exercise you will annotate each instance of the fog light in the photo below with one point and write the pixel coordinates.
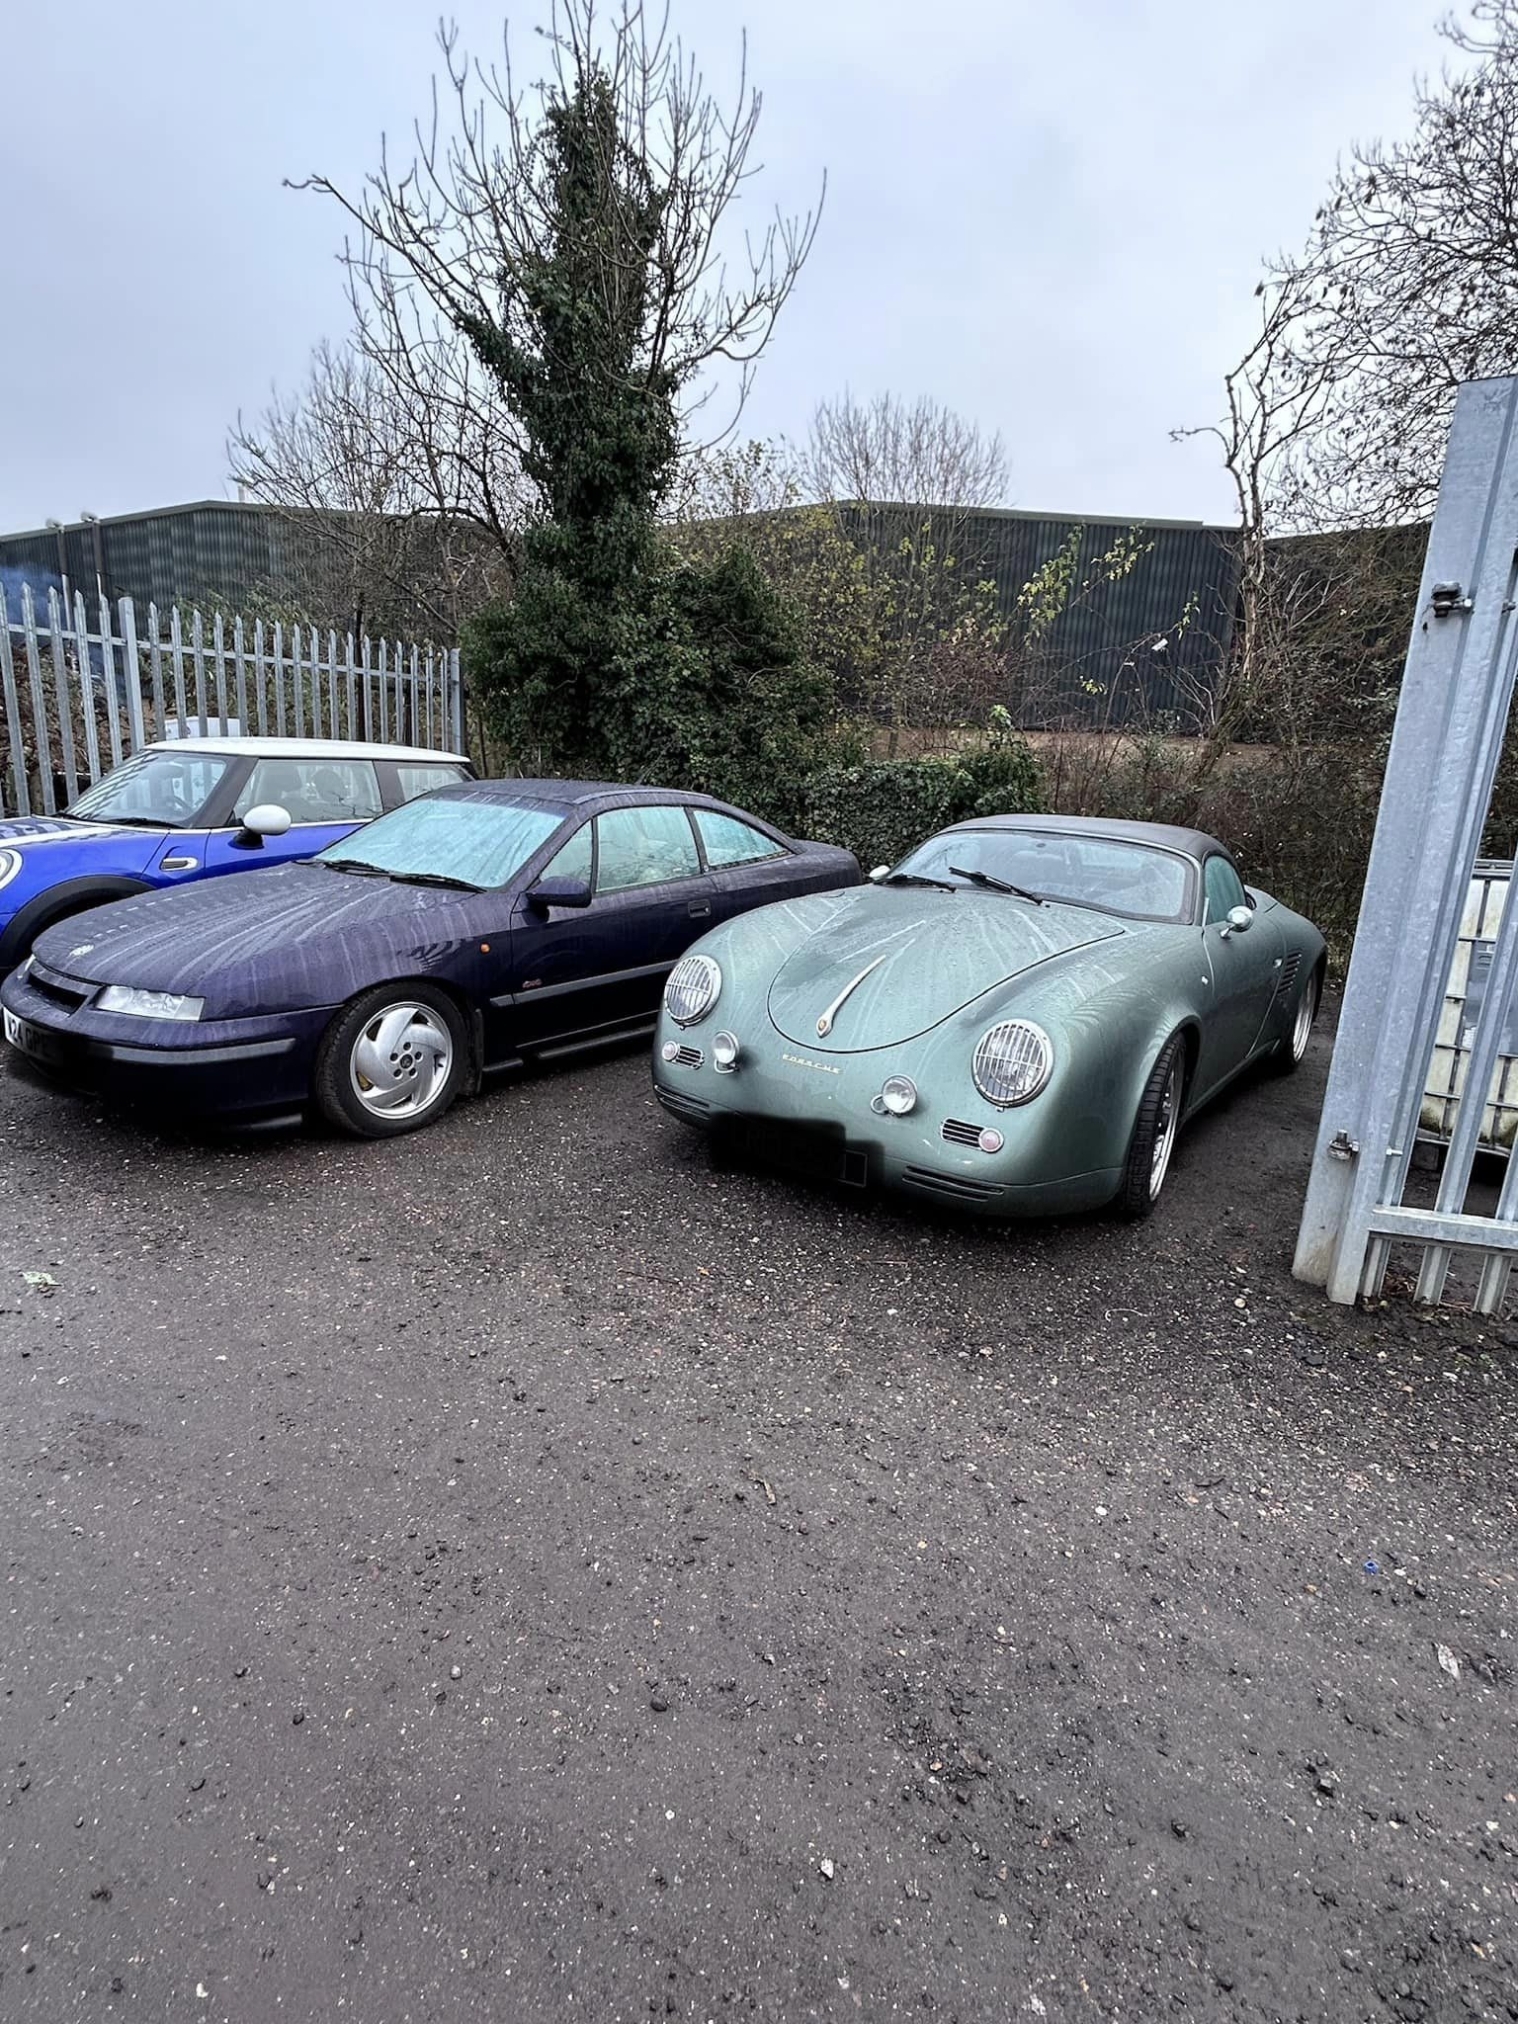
(990, 1141)
(899, 1094)
(670, 1051)
(725, 1052)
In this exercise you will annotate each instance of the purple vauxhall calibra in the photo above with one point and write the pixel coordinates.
(473, 929)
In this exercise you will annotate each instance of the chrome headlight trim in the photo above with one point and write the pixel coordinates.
(694, 986)
(1012, 1063)
(11, 862)
(127, 1000)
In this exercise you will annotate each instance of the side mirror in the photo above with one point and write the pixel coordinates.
(267, 819)
(559, 892)
(881, 871)
(1240, 921)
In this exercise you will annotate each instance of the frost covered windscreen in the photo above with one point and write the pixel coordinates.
(474, 843)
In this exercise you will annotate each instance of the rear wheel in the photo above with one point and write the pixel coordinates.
(392, 1061)
(1154, 1131)
(1287, 1054)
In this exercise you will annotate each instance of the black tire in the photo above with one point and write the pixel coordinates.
(1289, 1052)
(336, 1084)
(1139, 1190)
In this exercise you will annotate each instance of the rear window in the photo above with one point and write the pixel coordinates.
(420, 778)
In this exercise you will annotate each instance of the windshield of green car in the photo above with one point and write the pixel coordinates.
(162, 789)
(477, 843)
(1133, 879)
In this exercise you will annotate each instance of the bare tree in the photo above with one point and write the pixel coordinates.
(1408, 286)
(403, 494)
(918, 454)
(460, 233)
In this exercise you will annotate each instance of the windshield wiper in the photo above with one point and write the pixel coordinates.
(916, 878)
(127, 821)
(358, 865)
(434, 878)
(997, 885)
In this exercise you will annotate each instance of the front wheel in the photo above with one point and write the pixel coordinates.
(1154, 1130)
(392, 1061)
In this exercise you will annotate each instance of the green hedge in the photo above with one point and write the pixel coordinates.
(880, 810)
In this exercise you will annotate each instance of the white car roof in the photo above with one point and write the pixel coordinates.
(306, 748)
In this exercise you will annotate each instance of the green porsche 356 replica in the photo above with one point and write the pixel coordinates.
(1017, 1019)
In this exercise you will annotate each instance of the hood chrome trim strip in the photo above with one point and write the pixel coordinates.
(825, 1023)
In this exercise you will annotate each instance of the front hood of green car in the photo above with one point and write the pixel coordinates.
(895, 963)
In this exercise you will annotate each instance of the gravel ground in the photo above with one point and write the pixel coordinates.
(519, 1572)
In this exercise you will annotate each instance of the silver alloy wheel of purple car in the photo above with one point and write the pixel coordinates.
(401, 1060)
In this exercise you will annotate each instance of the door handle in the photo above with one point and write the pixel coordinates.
(178, 863)
(699, 909)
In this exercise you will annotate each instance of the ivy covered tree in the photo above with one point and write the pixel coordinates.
(571, 232)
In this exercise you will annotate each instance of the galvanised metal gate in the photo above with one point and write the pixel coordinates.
(1452, 718)
(76, 701)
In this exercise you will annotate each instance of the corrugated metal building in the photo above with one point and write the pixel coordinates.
(214, 551)
(1135, 642)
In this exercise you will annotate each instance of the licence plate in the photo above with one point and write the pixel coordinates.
(30, 1039)
(815, 1152)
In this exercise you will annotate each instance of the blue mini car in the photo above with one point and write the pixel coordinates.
(192, 808)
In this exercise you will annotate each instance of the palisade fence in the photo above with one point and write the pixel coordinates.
(77, 701)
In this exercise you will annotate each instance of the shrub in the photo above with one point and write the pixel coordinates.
(880, 810)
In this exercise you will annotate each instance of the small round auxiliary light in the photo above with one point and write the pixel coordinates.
(990, 1141)
(725, 1052)
(899, 1094)
(670, 1050)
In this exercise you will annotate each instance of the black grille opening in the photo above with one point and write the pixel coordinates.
(689, 1057)
(958, 1133)
(62, 990)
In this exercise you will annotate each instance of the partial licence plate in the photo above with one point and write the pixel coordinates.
(29, 1038)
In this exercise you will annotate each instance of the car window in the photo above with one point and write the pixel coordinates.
(483, 843)
(573, 861)
(1222, 888)
(312, 790)
(421, 778)
(167, 787)
(642, 847)
(727, 841)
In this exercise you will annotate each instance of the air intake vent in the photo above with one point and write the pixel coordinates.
(953, 1186)
(1286, 982)
(689, 1057)
(958, 1133)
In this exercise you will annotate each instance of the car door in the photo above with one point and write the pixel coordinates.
(580, 971)
(325, 798)
(1242, 963)
(748, 868)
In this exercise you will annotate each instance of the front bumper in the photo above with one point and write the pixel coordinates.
(236, 1071)
(812, 1115)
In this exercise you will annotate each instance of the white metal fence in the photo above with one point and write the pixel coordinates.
(77, 699)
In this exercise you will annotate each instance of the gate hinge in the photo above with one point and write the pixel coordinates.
(1342, 1147)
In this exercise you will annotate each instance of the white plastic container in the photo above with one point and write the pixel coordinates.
(1463, 993)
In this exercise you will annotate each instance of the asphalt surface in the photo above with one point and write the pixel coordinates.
(519, 1572)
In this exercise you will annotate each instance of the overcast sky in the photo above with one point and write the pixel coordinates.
(1047, 217)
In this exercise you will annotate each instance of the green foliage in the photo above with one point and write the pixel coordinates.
(880, 810)
(701, 681)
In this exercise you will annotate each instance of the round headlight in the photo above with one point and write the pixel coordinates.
(1012, 1062)
(695, 984)
(899, 1094)
(10, 864)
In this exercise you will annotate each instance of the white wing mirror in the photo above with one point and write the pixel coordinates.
(268, 819)
(880, 872)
